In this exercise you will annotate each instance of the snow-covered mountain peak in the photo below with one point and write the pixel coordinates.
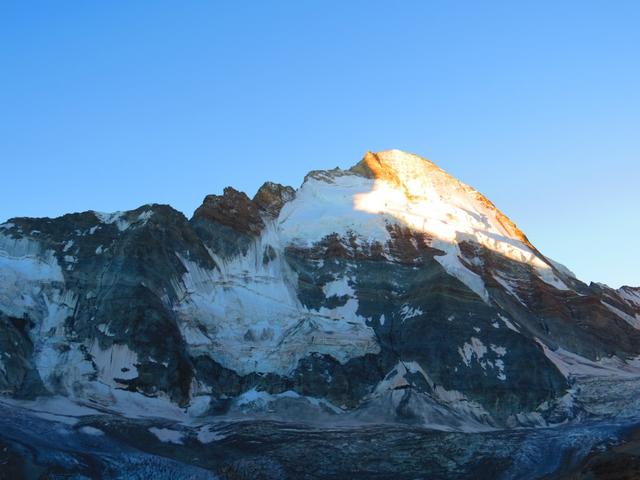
(384, 292)
(397, 166)
(412, 189)
(422, 181)
(393, 187)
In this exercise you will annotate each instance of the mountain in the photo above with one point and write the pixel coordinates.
(386, 293)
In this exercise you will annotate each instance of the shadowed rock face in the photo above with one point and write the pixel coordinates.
(576, 318)
(18, 376)
(271, 197)
(329, 296)
(421, 314)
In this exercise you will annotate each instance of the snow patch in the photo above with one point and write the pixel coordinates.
(633, 321)
(630, 295)
(116, 218)
(247, 316)
(167, 435)
(120, 220)
(509, 287)
(408, 312)
(476, 350)
(469, 351)
(338, 288)
(95, 432)
(573, 365)
(256, 400)
(508, 323)
(207, 434)
(561, 268)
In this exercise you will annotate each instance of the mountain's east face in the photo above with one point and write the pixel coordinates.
(387, 292)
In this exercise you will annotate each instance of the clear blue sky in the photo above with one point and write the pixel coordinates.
(110, 105)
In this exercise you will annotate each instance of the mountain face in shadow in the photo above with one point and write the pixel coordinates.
(389, 292)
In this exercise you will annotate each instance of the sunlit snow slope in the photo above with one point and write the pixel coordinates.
(398, 187)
